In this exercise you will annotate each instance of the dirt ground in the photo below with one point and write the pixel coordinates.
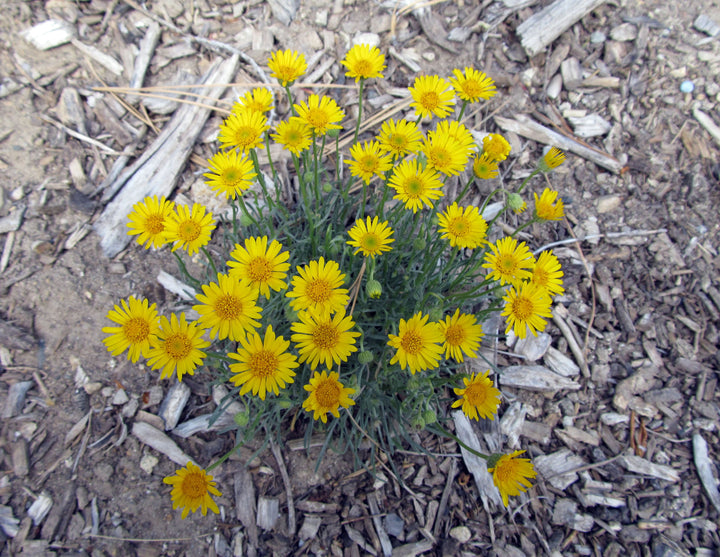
(642, 293)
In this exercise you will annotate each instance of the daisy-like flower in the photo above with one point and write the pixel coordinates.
(371, 237)
(496, 147)
(318, 287)
(363, 62)
(473, 85)
(444, 154)
(327, 394)
(484, 167)
(399, 138)
(511, 474)
(463, 227)
(432, 95)
(190, 230)
(230, 173)
(258, 99)
(138, 326)
(192, 487)
(324, 338)
(462, 335)
(368, 161)
(415, 185)
(418, 344)
(509, 262)
(243, 130)
(293, 135)
(320, 114)
(547, 273)
(148, 221)
(263, 266)
(287, 65)
(551, 160)
(264, 365)
(462, 137)
(525, 307)
(548, 206)
(479, 398)
(178, 347)
(228, 308)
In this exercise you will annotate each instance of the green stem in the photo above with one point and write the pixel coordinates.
(276, 181)
(357, 126)
(526, 180)
(223, 458)
(524, 226)
(462, 110)
(465, 189)
(261, 178)
(210, 260)
(183, 269)
(442, 431)
(290, 100)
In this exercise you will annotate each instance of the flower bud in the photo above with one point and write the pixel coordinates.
(373, 289)
(435, 313)
(333, 133)
(308, 178)
(419, 244)
(242, 418)
(245, 220)
(429, 416)
(284, 403)
(516, 203)
(418, 423)
(365, 357)
(327, 187)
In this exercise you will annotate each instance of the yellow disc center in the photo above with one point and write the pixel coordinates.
(263, 363)
(411, 342)
(259, 270)
(328, 394)
(178, 346)
(194, 486)
(325, 336)
(136, 330)
(319, 291)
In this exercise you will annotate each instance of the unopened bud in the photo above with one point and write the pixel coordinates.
(284, 403)
(365, 357)
(242, 418)
(419, 244)
(435, 313)
(516, 203)
(333, 133)
(418, 423)
(327, 187)
(373, 289)
(429, 416)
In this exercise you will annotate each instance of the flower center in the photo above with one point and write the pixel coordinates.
(328, 394)
(231, 177)
(507, 470)
(522, 308)
(439, 157)
(476, 394)
(455, 335)
(286, 73)
(245, 135)
(370, 242)
(228, 307)
(317, 118)
(459, 226)
(155, 224)
(540, 277)
(471, 88)
(178, 346)
(411, 342)
(263, 363)
(507, 264)
(318, 291)
(136, 330)
(293, 137)
(194, 486)
(259, 270)
(414, 187)
(396, 140)
(430, 100)
(363, 68)
(368, 163)
(189, 231)
(325, 336)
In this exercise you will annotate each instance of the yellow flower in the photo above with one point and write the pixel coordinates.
(473, 85)
(462, 335)
(371, 237)
(363, 62)
(327, 394)
(230, 173)
(367, 161)
(259, 99)
(318, 287)
(263, 266)
(485, 168)
(510, 474)
(138, 327)
(190, 230)
(178, 347)
(432, 95)
(552, 159)
(415, 185)
(463, 227)
(264, 365)
(496, 147)
(242, 130)
(547, 273)
(480, 399)
(548, 206)
(324, 338)
(418, 344)
(509, 261)
(459, 133)
(399, 138)
(287, 65)
(293, 135)
(320, 114)
(525, 307)
(228, 308)
(191, 490)
(444, 153)
(149, 219)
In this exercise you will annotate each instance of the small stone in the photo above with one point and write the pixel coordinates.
(597, 37)
(120, 398)
(687, 86)
(394, 525)
(608, 203)
(92, 387)
(461, 534)
(321, 18)
(148, 462)
(533, 347)
(372, 39)
(624, 32)
(18, 193)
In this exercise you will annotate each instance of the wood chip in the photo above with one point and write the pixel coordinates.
(160, 442)
(639, 465)
(16, 399)
(245, 503)
(174, 404)
(100, 57)
(705, 470)
(49, 34)
(535, 378)
(268, 512)
(557, 468)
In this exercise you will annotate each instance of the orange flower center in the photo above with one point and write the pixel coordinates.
(397, 140)
(136, 330)
(327, 394)
(155, 224)
(508, 470)
(476, 394)
(228, 307)
(368, 163)
(319, 291)
(411, 342)
(522, 308)
(507, 264)
(245, 135)
(259, 270)
(459, 226)
(178, 346)
(363, 68)
(471, 88)
(194, 486)
(263, 363)
(325, 336)
(317, 118)
(430, 100)
(189, 231)
(455, 335)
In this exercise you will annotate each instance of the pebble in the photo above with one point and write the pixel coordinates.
(372, 39)
(120, 397)
(608, 203)
(533, 347)
(148, 462)
(687, 86)
(597, 37)
(461, 534)
(624, 32)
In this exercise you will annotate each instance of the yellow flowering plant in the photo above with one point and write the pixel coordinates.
(349, 304)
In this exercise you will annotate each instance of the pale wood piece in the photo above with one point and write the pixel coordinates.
(704, 467)
(161, 443)
(706, 122)
(142, 61)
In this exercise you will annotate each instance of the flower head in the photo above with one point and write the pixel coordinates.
(479, 398)
(287, 65)
(463, 139)
(264, 365)
(444, 153)
(473, 85)
(242, 130)
(293, 135)
(484, 167)
(230, 173)
(363, 62)
(548, 206)
(432, 95)
(496, 147)
(547, 273)
(418, 344)
(260, 99)
(511, 474)
(371, 236)
(525, 307)
(228, 308)
(324, 338)
(149, 219)
(415, 185)
(463, 227)
(368, 161)
(516, 203)
(138, 327)
(190, 230)
(192, 487)
(399, 138)
(509, 261)
(327, 394)
(462, 335)
(178, 347)
(318, 287)
(263, 266)
(320, 114)
(551, 160)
